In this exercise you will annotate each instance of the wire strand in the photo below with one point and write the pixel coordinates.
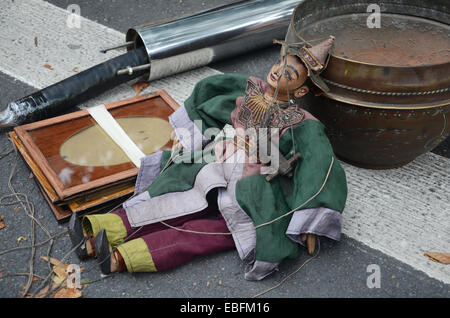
(266, 223)
(291, 274)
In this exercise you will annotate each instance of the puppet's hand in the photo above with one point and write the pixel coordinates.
(310, 240)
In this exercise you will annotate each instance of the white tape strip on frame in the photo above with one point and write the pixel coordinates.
(107, 122)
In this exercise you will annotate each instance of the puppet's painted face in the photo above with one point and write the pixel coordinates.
(293, 77)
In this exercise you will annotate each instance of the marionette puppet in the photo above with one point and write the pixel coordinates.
(187, 208)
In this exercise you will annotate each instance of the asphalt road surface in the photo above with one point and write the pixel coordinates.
(342, 269)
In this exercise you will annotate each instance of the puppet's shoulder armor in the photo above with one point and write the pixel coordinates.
(256, 112)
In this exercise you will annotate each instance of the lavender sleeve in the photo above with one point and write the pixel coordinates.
(319, 221)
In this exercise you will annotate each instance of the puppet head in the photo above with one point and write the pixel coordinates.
(296, 64)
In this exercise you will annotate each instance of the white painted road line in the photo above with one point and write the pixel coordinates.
(403, 212)
(60, 52)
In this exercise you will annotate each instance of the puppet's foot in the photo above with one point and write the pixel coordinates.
(110, 261)
(79, 238)
(310, 240)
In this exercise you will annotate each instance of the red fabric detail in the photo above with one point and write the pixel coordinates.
(171, 248)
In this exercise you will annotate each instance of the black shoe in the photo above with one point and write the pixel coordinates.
(102, 249)
(76, 236)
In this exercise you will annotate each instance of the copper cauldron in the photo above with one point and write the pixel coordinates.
(389, 83)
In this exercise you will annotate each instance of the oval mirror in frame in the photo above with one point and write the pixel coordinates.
(93, 147)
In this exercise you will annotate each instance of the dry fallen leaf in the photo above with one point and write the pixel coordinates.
(34, 279)
(2, 222)
(60, 269)
(21, 238)
(49, 67)
(68, 293)
(139, 86)
(57, 281)
(52, 261)
(443, 258)
(75, 69)
(41, 293)
(61, 274)
(64, 292)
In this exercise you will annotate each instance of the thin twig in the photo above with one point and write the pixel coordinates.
(30, 207)
(36, 245)
(31, 214)
(19, 274)
(3, 155)
(29, 210)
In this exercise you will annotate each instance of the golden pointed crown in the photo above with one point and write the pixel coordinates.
(315, 57)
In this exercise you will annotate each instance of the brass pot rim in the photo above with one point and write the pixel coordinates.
(338, 98)
(389, 66)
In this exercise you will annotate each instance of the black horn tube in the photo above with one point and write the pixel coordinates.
(60, 97)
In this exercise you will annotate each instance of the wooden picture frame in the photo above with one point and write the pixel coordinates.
(43, 140)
